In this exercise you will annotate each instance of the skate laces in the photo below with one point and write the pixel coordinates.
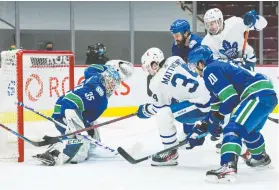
(226, 168)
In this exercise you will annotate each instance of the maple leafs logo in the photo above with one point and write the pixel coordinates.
(231, 51)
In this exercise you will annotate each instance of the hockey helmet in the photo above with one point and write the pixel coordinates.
(180, 26)
(151, 56)
(200, 53)
(213, 15)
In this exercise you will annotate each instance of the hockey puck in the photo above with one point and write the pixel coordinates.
(214, 138)
(218, 145)
(73, 162)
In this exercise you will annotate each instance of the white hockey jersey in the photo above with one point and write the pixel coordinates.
(228, 43)
(176, 80)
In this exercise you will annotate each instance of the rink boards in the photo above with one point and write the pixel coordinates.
(125, 100)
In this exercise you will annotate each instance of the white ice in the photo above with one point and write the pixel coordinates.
(114, 173)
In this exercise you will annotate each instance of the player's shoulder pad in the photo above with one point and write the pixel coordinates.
(94, 79)
(233, 20)
(196, 37)
(171, 60)
(206, 40)
(213, 66)
(93, 68)
(193, 43)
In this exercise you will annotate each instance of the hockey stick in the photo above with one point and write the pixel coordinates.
(273, 119)
(46, 142)
(130, 159)
(245, 42)
(38, 144)
(52, 140)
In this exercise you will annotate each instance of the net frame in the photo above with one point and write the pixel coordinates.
(20, 85)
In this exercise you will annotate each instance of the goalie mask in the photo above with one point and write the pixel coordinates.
(111, 80)
(124, 68)
(213, 21)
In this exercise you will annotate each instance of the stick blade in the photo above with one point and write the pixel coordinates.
(128, 157)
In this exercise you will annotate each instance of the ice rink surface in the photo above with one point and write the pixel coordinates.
(109, 172)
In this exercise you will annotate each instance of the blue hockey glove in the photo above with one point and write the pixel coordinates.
(245, 63)
(216, 121)
(198, 129)
(143, 111)
(250, 18)
(249, 65)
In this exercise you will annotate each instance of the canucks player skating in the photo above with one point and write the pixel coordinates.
(254, 98)
(80, 107)
(180, 95)
(226, 38)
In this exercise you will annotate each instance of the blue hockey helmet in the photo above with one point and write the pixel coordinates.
(200, 53)
(111, 80)
(180, 26)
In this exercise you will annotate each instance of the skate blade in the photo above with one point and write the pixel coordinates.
(215, 179)
(269, 166)
(158, 164)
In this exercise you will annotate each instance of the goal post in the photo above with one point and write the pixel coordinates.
(36, 78)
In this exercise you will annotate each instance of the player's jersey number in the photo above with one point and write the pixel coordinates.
(185, 80)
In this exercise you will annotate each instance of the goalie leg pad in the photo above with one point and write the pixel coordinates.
(95, 135)
(167, 129)
(74, 121)
(71, 150)
(76, 150)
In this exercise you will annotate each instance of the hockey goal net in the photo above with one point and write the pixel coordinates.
(36, 78)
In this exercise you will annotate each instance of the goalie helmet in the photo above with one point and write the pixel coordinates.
(151, 56)
(213, 20)
(111, 80)
(124, 68)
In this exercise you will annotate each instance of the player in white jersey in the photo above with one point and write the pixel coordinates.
(226, 38)
(181, 95)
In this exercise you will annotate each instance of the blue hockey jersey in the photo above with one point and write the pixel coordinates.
(92, 69)
(183, 51)
(229, 84)
(89, 98)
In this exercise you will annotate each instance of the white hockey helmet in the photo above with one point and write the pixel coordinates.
(212, 16)
(124, 68)
(151, 56)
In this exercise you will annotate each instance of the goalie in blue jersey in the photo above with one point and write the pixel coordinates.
(80, 107)
(254, 98)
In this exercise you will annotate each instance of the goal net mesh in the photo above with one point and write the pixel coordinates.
(36, 78)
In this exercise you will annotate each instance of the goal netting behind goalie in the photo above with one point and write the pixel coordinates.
(36, 78)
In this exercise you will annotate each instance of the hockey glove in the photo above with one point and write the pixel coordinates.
(245, 63)
(250, 18)
(216, 121)
(145, 112)
(199, 128)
